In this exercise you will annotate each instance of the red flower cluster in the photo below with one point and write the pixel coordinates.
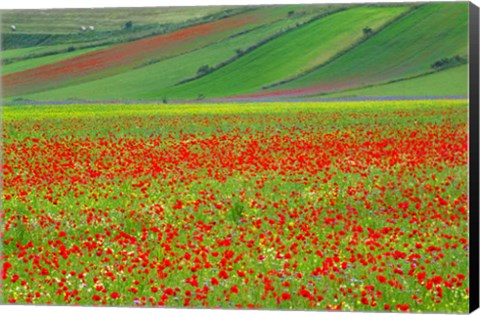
(353, 210)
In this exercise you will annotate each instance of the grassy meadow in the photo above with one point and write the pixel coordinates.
(340, 206)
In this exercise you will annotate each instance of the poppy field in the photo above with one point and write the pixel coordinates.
(355, 206)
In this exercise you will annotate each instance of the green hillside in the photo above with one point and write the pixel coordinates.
(37, 62)
(244, 52)
(289, 55)
(406, 48)
(131, 55)
(148, 81)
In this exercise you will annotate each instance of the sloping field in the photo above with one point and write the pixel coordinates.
(40, 61)
(290, 54)
(404, 49)
(274, 52)
(148, 82)
(124, 57)
(450, 82)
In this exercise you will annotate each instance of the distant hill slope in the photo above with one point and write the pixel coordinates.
(124, 57)
(404, 49)
(150, 80)
(263, 52)
(289, 55)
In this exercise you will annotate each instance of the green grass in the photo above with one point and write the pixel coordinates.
(450, 82)
(147, 82)
(290, 54)
(41, 61)
(405, 48)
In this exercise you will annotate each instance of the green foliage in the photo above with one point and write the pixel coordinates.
(128, 25)
(367, 31)
(448, 63)
(204, 70)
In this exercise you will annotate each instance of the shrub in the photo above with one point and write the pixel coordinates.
(367, 31)
(448, 62)
(128, 25)
(204, 70)
(21, 100)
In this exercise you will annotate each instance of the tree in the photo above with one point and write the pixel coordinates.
(367, 31)
(128, 25)
(203, 70)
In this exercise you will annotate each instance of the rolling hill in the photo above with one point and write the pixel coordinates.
(291, 54)
(127, 56)
(257, 52)
(147, 82)
(405, 49)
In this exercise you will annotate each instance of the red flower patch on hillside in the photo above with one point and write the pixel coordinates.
(122, 57)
